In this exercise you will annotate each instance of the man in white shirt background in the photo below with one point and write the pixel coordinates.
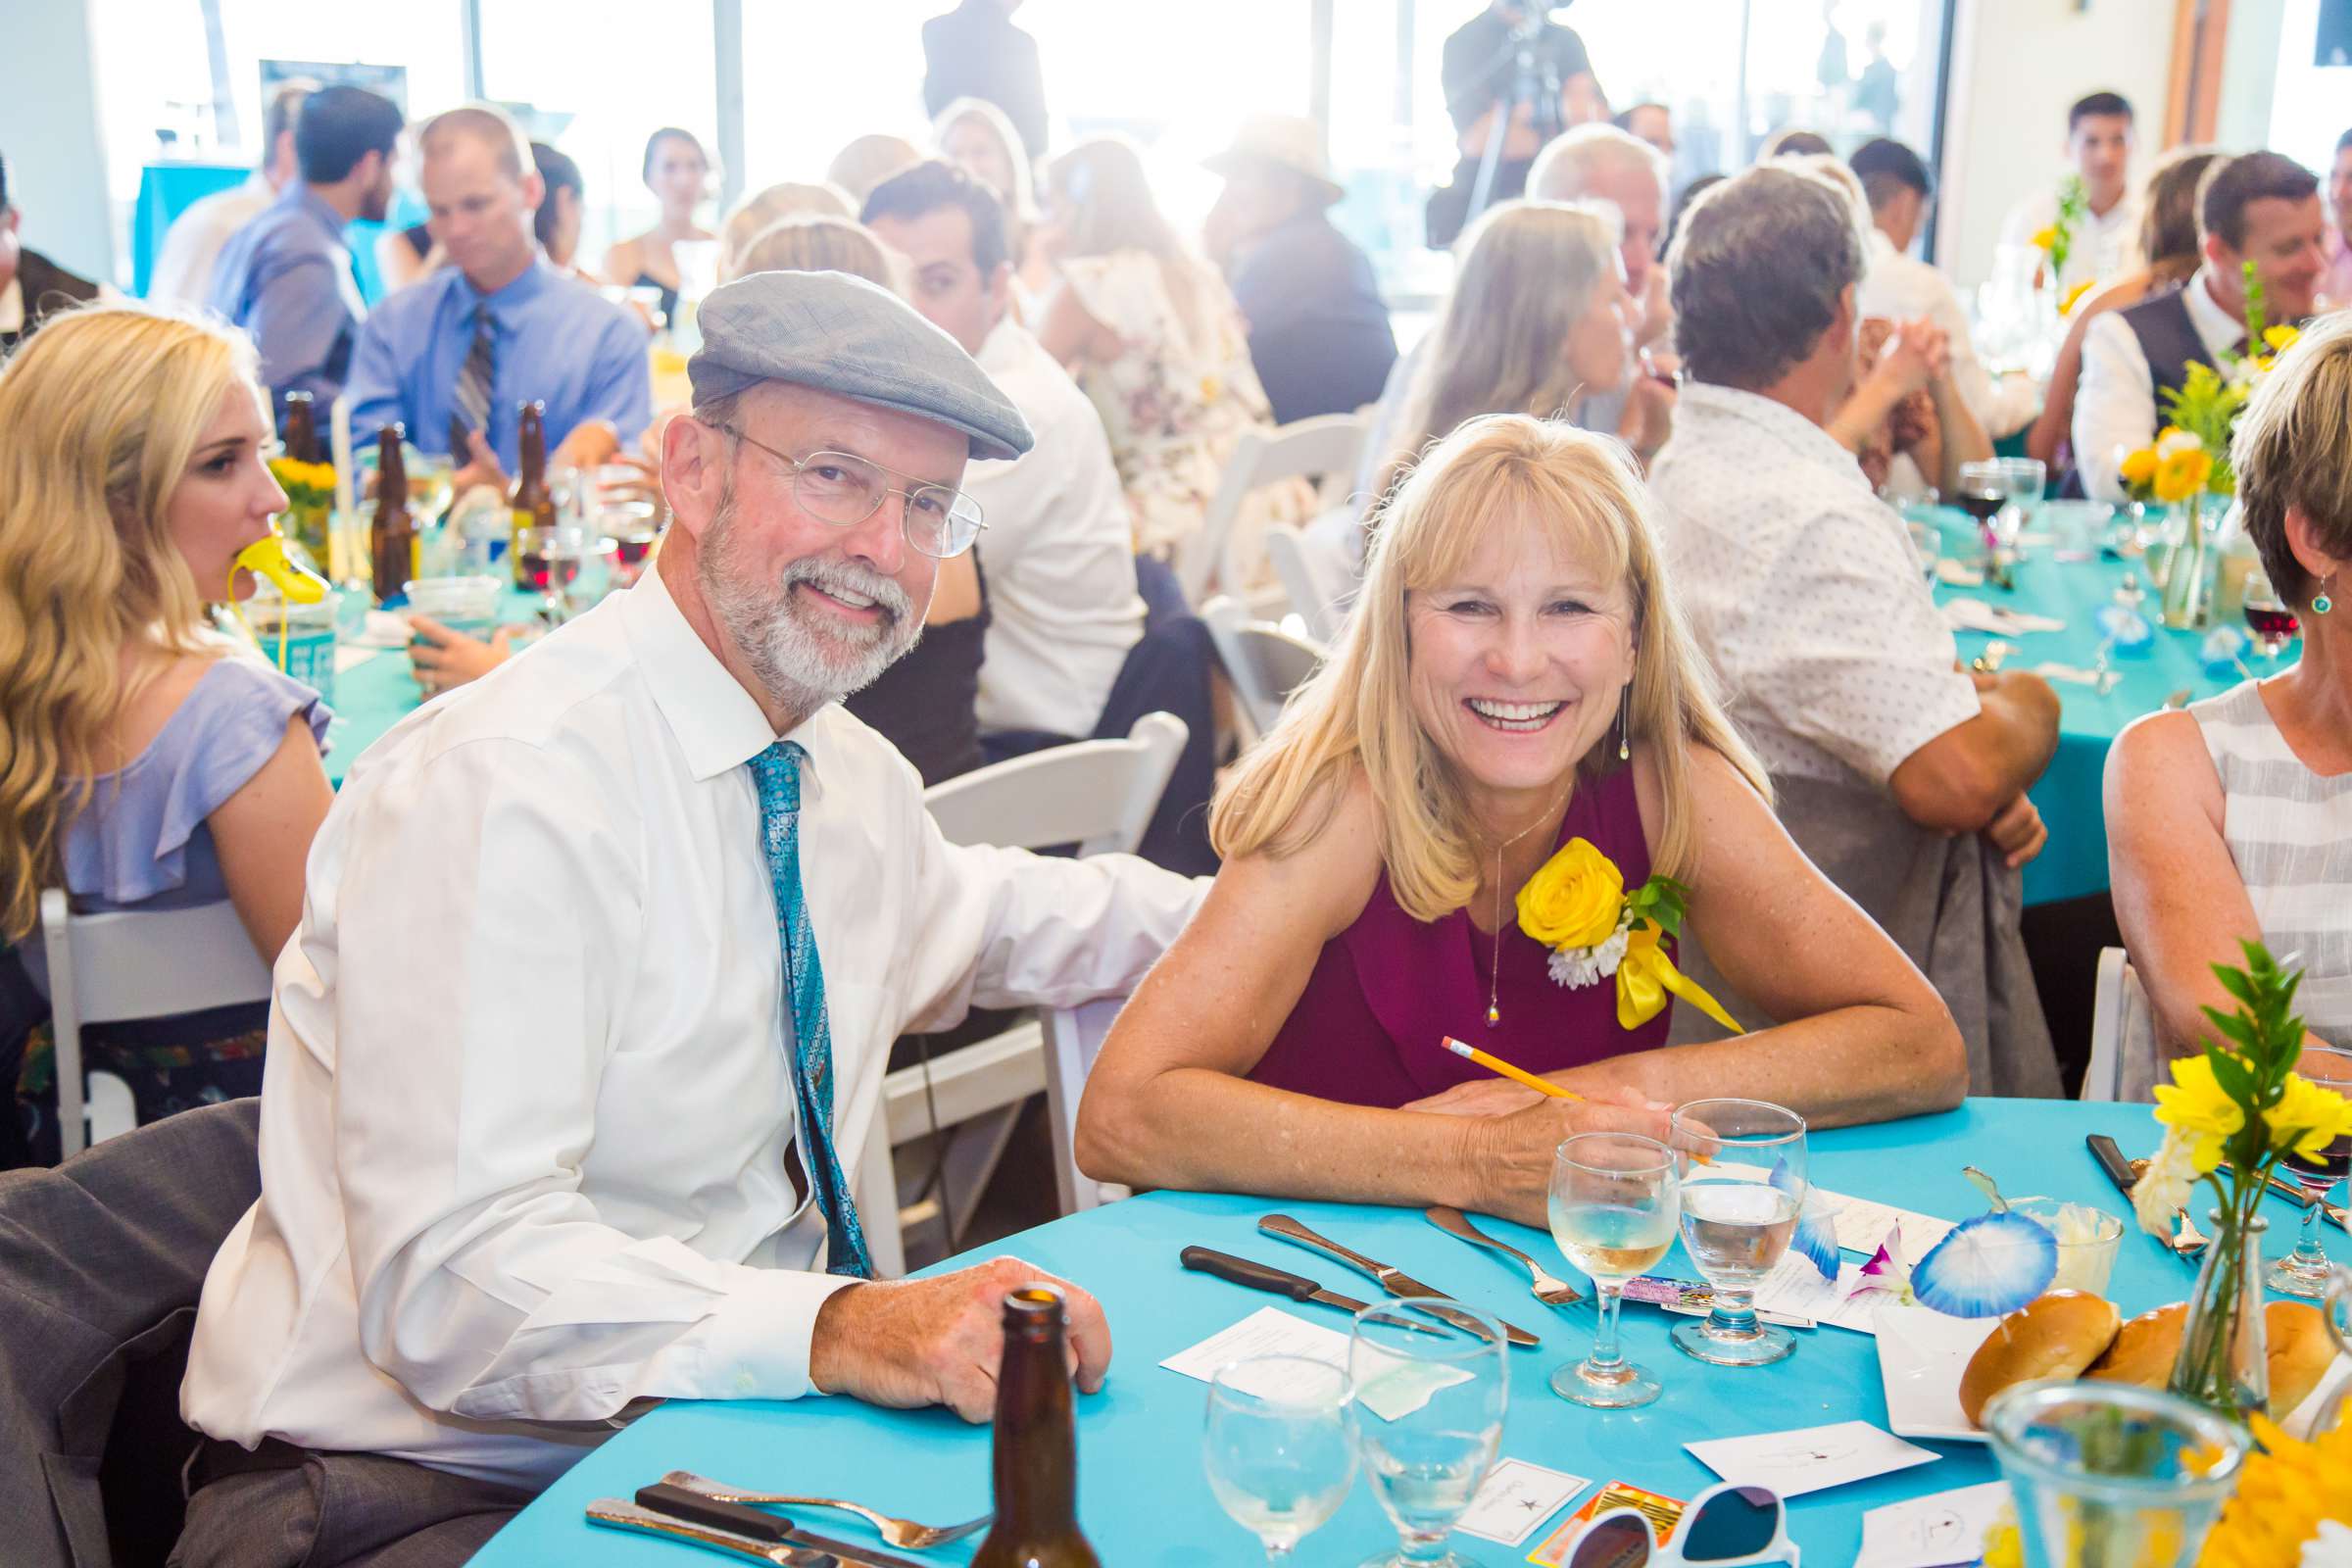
(2105, 241)
(192, 244)
(1058, 556)
(601, 961)
(1802, 589)
(2262, 208)
(1902, 287)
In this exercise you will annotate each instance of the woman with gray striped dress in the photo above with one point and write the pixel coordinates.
(2233, 817)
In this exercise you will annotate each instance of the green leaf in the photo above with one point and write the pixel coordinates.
(2231, 1074)
(2237, 982)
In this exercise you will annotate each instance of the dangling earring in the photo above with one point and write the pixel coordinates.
(2320, 604)
(1625, 722)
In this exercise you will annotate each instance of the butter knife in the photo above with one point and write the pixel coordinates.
(1395, 1281)
(615, 1514)
(732, 1518)
(1266, 1277)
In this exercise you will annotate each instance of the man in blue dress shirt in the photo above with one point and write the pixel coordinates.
(285, 277)
(501, 326)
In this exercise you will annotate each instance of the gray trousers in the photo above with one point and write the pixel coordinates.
(336, 1510)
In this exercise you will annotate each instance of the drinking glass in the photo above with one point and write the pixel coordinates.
(1278, 1450)
(1613, 1202)
(547, 562)
(2109, 1474)
(1736, 1229)
(2304, 1271)
(1926, 544)
(2087, 1241)
(2270, 619)
(631, 527)
(1428, 1418)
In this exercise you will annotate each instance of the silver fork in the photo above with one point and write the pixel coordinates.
(1550, 1290)
(2187, 1241)
(903, 1533)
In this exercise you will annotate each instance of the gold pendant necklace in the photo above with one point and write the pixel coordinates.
(1495, 965)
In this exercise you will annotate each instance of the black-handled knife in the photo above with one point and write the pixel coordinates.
(618, 1513)
(1395, 1281)
(736, 1519)
(2111, 1161)
(1266, 1277)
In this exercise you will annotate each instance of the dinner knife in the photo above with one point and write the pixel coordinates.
(1266, 1277)
(734, 1518)
(615, 1513)
(2111, 1161)
(1395, 1281)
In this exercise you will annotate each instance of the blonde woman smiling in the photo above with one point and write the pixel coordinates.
(1514, 679)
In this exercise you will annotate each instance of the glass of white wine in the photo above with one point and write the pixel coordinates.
(1277, 1447)
(1737, 1229)
(1613, 1202)
(1430, 1393)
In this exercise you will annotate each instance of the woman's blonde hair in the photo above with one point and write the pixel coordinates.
(102, 409)
(814, 243)
(1102, 200)
(756, 212)
(1580, 494)
(1528, 273)
(2294, 453)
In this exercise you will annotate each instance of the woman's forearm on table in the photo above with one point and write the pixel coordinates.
(1855, 1064)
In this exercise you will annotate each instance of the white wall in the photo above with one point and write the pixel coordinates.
(49, 131)
(2015, 67)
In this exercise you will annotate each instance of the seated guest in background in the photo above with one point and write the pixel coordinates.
(677, 171)
(501, 326)
(285, 277)
(868, 161)
(1319, 333)
(1514, 679)
(1652, 122)
(977, 137)
(153, 763)
(763, 209)
(557, 222)
(2099, 140)
(515, 1185)
(184, 268)
(1153, 335)
(1057, 553)
(2232, 819)
(2168, 239)
(974, 53)
(1795, 141)
(1903, 287)
(2336, 288)
(2260, 208)
(1805, 594)
(32, 286)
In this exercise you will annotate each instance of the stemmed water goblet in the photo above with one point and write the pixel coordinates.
(1427, 1416)
(2304, 1271)
(1737, 1229)
(1278, 1447)
(1613, 1202)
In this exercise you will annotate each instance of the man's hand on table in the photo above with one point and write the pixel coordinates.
(906, 1343)
(442, 656)
(480, 467)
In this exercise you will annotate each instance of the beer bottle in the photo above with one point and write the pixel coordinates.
(534, 505)
(392, 535)
(301, 429)
(1036, 1443)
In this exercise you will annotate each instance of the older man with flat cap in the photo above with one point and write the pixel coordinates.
(603, 954)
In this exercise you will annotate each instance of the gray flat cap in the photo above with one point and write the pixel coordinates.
(844, 335)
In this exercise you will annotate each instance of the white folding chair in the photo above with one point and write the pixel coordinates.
(1308, 579)
(1327, 444)
(1264, 662)
(126, 965)
(1099, 795)
(2122, 1032)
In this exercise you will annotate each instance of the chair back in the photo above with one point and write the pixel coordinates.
(1327, 444)
(1264, 662)
(1099, 795)
(136, 963)
(2124, 1051)
(1315, 579)
(1074, 1037)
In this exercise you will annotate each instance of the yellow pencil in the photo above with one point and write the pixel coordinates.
(1541, 1086)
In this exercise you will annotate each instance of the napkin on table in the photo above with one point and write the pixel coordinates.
(1975, 615)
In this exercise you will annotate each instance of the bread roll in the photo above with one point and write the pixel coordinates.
(2300, 1353)
(2145, 1349)
(2057, 1336)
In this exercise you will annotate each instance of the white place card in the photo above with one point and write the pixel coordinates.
(1395, 1386)
(1795, 1289)
(1933, 1531)
(1516, 1498)
(1809, 1458)
(349, 657)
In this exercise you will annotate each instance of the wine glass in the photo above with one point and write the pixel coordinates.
(2304, 1271)
(1613, 1202)
(547, 562)
(2269, 617)
(1278, 1450)
(1926, 546)
(1427, 1416)
(1737, 1230)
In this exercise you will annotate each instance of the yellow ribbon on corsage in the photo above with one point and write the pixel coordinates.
(1576, 905)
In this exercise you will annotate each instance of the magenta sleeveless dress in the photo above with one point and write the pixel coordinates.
(1385, 990)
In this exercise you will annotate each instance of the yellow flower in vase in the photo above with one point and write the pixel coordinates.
(2280, 338)
(2044, 238)
(2183, 474)
(1575, 900)
(2308, 1117)
(2139, 467)
(2197, 1104)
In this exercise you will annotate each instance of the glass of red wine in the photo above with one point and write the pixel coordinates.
(2304, 1272)
(2269, 617)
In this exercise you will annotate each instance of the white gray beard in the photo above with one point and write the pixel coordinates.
(803, 662)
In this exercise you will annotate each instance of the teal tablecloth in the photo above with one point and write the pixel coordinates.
(1141, 1496)
(379, 691)
(2069, 795)
(166, 190)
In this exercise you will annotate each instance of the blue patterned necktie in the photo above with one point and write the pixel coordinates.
(777, 773)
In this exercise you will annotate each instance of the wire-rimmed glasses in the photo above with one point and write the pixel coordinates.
(844, 489)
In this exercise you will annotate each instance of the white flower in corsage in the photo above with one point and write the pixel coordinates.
(1576, 905)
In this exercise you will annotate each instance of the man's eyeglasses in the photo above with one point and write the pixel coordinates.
(844, 489)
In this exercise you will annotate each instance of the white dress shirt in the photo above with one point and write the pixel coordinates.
(1902, 288)
(192, 244)
(1059, 551)
(2104, 247)
(2115, 402)
(1803, 591)
(529, 1091)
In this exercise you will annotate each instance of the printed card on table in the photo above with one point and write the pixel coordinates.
(1934, 1532)
(1515, 1498)
(1392, 1386)
(1809, 1458)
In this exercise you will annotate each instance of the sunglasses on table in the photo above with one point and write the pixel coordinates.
(1726, 1526)
(844, 489)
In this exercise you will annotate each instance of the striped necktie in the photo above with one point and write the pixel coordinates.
(471, 401)
(776, 771)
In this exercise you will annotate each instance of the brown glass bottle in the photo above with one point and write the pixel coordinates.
(1036, 1443)
(392, 532)
(301, 429)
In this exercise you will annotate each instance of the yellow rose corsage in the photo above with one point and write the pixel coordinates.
(1576, 905)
